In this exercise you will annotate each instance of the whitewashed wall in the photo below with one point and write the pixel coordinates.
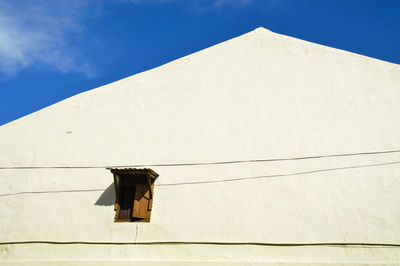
(261, 95)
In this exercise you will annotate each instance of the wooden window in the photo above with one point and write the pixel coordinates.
(134, 190)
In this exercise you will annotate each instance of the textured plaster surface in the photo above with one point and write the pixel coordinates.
(261, 95)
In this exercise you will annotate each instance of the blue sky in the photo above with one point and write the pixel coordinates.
(53, 49)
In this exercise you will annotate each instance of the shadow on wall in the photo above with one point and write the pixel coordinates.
(107, 198)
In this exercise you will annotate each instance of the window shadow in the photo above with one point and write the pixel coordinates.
(107, 198)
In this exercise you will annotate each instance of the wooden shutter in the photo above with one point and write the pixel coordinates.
(141, 202)
(150, 206)
(150, 197)
(116, 186)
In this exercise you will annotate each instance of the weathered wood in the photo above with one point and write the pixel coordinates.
(151, 199)
(116, 187)
(134, 190)
(140, 203)
(149, 186)
(134, 171)
(147, 219)
(116, 208)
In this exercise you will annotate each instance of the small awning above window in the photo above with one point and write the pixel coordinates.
(134, 171)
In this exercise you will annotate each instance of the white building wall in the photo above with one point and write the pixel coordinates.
(261, 95)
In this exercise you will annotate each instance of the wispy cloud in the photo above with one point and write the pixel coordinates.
(49, 32)
(198, 5)
(220, 3)
(38, 32)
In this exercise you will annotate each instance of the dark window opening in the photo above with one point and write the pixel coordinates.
(134, 190)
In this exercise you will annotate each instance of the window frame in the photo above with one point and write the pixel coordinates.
(143, 182)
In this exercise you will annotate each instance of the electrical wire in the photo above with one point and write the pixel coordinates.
(277, 175)
(201, 163)
(217, 180)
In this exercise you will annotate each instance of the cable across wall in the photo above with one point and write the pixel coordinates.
(203, 163)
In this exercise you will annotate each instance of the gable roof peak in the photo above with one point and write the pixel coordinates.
(262, 30)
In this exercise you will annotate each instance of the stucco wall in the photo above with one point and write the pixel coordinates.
(261, 95)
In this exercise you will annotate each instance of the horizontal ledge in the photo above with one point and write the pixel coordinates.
(202, 262)
(335, 244)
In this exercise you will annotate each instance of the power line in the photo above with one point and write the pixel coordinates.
(216, 181)
(51, 191)
(277, 175)
(201, 163)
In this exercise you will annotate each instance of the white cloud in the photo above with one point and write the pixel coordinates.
(220, 3)
(37, 32)
(201, 5)
(48, 32)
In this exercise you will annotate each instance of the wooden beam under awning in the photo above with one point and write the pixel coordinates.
(135, 171)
